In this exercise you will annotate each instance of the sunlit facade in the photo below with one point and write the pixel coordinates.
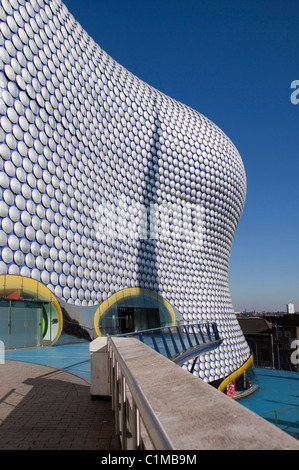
(119, 200)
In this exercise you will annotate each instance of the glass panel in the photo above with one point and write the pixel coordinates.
(46, 323)
(141, 319)
(137, 318)
(26, 324)
(126, 319)
(134, 313)
(153, 317)
(41, 322)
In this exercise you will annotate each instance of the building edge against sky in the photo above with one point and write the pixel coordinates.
(119, 204)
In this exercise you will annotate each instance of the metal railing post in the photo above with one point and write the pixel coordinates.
(187, 336)
(208, 331)
(135, 427)
(123, 411)
(116, 398)
(123, 380)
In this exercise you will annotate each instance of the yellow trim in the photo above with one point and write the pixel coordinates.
(123, 294)
(235, 374)
(12, 282)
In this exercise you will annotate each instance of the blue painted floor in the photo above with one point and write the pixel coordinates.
(73, 357)
(279, 390)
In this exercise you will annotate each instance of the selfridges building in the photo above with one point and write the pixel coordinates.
(118, 204)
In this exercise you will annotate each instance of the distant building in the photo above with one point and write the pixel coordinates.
(285, 332)
(290, 308)
(273, 340)
(258, 334)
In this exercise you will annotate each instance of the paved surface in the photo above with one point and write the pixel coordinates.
(46, 408)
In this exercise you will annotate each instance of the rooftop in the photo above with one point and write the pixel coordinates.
(255, 325)
(70, 363)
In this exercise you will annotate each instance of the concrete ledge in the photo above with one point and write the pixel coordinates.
(194, 414)
(99, 386)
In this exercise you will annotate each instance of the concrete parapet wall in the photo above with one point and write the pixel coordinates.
(99, 386)
(195, 415)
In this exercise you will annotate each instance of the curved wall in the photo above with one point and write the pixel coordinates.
(19, 296)
(108, 184)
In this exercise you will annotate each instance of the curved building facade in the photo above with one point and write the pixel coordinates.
(121, 201)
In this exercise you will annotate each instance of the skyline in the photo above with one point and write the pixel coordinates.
(234, 62)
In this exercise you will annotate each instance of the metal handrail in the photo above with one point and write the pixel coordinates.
(276, 412)
(207, 334)
(179, 324)
(120, 379)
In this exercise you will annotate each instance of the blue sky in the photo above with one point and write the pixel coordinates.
(233, 61)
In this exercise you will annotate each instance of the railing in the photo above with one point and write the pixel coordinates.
(130, 404)
(151, 412)
(286, 418)
(181, 341)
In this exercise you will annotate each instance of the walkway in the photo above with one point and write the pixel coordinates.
(47, 408)
(45, 400)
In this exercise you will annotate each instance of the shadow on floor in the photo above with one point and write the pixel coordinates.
(43, 408)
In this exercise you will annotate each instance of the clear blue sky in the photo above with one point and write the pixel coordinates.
(233, 61)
